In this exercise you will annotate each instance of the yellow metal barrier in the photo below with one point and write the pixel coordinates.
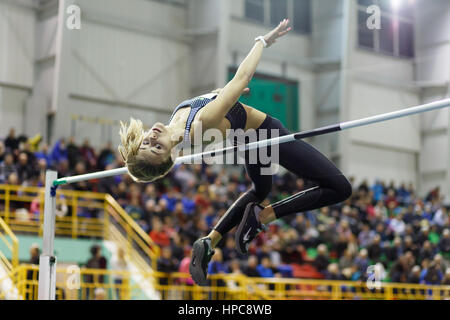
(175, 286)
(121, 228)
(23, 211)
(79, 214)
(78, 286)
(10, 241)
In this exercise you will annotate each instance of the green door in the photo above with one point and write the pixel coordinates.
(275, 96)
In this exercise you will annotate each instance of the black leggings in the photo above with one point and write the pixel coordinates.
(306, 162)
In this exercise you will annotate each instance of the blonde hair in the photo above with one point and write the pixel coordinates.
(139, 168)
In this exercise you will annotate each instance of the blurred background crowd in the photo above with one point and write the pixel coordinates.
(382, 224)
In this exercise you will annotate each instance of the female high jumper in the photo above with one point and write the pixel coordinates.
(149, 156)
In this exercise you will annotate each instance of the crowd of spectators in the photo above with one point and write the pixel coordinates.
(381, 224)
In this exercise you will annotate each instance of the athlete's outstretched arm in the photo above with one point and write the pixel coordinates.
(216, 110)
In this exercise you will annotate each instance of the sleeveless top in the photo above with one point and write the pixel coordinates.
(236, 115)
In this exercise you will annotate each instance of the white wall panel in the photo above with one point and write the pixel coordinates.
(327, 28)
(434, 153)
(117, 64)
(242, 35)
(17, 44)
(46, 37)
(372, 163)
(367, 99)
(12, 104)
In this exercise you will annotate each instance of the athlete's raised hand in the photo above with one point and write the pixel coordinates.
(278, 32)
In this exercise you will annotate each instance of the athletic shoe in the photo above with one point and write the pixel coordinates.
(249, 227)
(202, 253)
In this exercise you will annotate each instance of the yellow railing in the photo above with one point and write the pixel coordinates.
(176, 286)
(12, 244)
(122, 229)
(77, 286)
(78, 214)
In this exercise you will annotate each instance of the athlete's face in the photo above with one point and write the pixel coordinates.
(157, 144)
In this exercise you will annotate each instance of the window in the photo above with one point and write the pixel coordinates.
(278, 11)
(302, 16)
(254, 10)
(396, 36)
(366, 36)
(386, 36)
(406, 39)
(271, 12)
(366, 3)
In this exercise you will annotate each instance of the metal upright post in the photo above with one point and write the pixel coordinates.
(47, 261)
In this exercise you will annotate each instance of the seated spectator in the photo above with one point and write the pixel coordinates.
(11, 141)
(423, 234)
(44, 154)
(356, 275)
(157, 234)
(235, 267)
(188, 203)
(365, 236)
(333, 273)
(397, 225)
(88, 155)
(106, 156)
(427, 251)
(346, 260)
(362, 261)
(166, 263)
(216, 265)
(80, 168)
(432, 275)
(410, 246)
(25, 169)
(134, 209)
(446, 280)
(321, 261)
(184, 267)
(440, 263)
(265, 268)
(375, 250)
(7, 167)
(444, 243)
(73, 153)
(399, 271)
(59, 152)
(251, 269)
(171, 197)
(97, 261)
(229, 251)
(440, 217)
(263, 252)
(414, 275)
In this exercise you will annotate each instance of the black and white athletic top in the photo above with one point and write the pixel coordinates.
(237, 115)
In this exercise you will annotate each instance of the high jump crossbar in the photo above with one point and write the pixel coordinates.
(47, 262)
(278, 140)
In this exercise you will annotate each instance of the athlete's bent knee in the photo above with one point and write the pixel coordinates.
(345, 188)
